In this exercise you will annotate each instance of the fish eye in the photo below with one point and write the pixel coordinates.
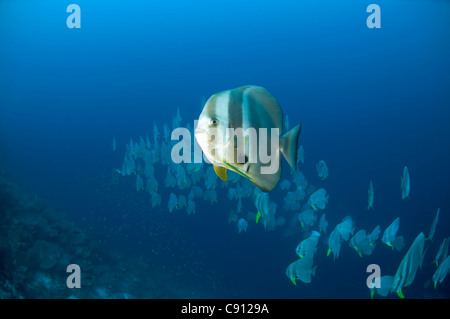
(213, 122)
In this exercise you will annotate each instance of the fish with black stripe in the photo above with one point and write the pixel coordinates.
(236, 130)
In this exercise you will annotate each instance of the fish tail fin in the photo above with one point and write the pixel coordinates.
(289, 145)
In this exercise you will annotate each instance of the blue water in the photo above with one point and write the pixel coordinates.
(371, 101)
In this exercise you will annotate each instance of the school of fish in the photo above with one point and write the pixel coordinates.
(302, 209)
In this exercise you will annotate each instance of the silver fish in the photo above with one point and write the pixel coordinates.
(237, 128)
(405, 183)
(370, 196)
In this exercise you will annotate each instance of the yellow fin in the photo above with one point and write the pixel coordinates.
(257, 217)
(234, 169)
(400, 293)
(221, 172)
(293, 281)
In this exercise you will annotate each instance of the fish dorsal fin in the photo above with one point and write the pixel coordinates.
(221, 172)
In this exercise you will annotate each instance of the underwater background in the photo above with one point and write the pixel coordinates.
(370, 101)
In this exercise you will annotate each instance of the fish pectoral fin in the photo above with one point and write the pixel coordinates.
(234, 169)
(221, 172)
(258, 215)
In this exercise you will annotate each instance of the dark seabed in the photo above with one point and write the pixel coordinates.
(370, 101)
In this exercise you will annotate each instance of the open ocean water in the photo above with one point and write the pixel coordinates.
(370, 100)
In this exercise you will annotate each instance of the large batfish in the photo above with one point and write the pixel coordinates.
(236, 130)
